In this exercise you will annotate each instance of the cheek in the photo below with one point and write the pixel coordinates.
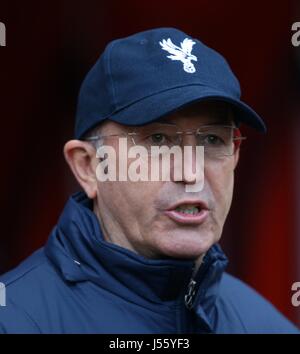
(220, 178)
(130, 203)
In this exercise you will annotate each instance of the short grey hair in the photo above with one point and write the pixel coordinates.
(91, 133)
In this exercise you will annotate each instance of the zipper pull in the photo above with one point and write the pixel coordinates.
(189, 297)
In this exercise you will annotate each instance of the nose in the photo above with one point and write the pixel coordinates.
(192, 167)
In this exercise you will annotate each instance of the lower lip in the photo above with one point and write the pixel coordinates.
(191, 219)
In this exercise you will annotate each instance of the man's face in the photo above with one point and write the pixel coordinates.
(142, 216)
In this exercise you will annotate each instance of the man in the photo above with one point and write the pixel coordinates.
(132, 255)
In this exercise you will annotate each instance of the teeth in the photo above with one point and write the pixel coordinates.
(188, 209)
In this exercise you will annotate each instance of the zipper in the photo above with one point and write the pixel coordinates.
(191, 290)
(182, 315)
(190, 295)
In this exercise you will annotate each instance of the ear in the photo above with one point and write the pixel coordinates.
(237, 144)
(236, 157)
(81, 157)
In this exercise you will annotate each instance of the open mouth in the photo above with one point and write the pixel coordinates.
(188, 213)
(188, 209)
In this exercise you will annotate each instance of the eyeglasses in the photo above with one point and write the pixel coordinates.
(217, 140)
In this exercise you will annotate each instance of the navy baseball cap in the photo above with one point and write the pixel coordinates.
(148, 75)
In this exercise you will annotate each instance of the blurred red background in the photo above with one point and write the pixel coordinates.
(49, 50)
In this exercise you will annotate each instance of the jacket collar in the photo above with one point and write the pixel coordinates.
(77, 247)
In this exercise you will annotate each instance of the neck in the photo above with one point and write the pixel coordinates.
(198, 263)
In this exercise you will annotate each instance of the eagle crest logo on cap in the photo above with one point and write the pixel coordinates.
(183, 53)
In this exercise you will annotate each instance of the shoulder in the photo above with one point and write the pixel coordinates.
(33, 272)
(28, 288)
(251, 312)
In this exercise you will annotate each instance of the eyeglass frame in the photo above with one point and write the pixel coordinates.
(131, 135)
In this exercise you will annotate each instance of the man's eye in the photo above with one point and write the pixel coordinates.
(158, 138)
(212, 139)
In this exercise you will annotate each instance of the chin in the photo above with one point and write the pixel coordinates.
(189, 245)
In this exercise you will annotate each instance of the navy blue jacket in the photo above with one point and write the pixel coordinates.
(79, 283)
